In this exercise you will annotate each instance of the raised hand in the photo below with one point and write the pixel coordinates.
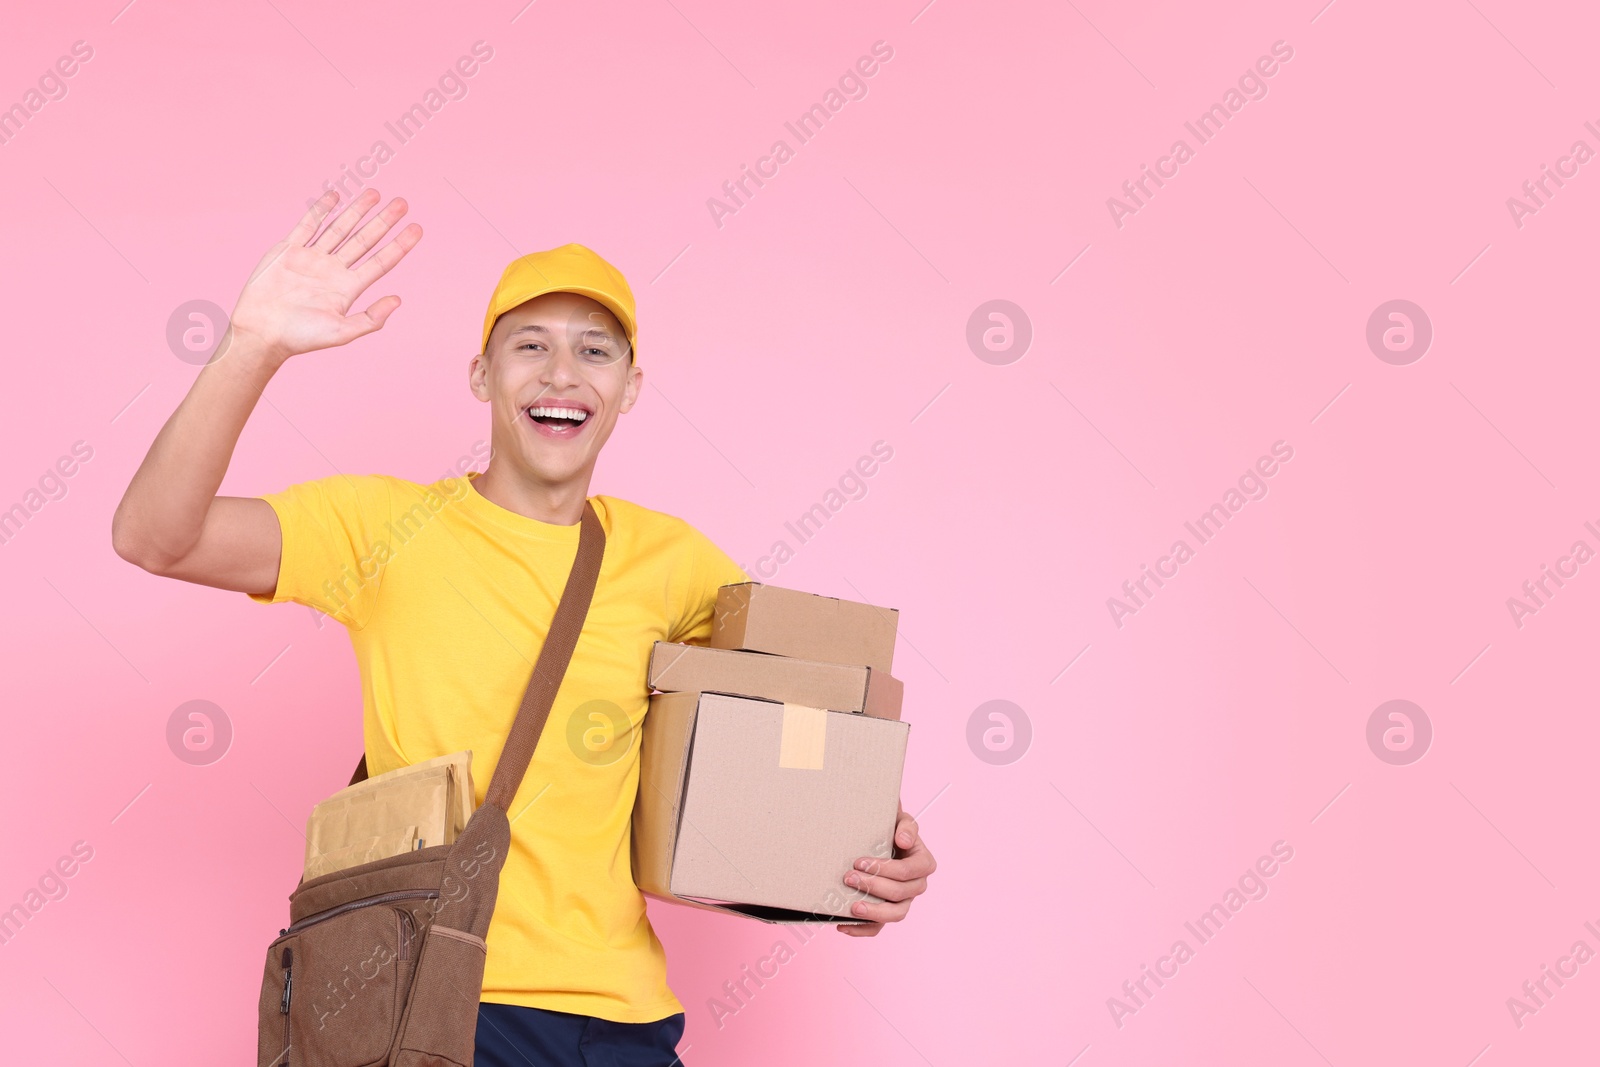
(299, 296)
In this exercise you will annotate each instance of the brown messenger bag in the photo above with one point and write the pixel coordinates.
(382, 963)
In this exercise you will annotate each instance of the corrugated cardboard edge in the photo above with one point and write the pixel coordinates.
(678, 668)
(881, 694)
(663, 768)
(664, 653)
(728, 617)
(730, 627)
(885, 695)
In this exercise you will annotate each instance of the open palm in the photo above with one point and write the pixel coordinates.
(299, 296)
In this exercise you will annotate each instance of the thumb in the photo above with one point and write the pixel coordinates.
(372, 319)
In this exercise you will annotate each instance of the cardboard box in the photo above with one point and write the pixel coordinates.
(753, 617)
(678, 668)
(760, 808)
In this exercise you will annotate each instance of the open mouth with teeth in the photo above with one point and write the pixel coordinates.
(560, 421)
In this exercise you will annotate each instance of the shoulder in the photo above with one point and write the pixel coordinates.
(406, 492)
(337, 491)
(674, 543)
(658, 531)
(647, 526)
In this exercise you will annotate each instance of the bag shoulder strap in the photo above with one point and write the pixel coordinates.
(548, 669)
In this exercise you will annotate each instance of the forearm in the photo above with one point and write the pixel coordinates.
(164, 508)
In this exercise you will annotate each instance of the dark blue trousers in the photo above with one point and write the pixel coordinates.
(510, 1035)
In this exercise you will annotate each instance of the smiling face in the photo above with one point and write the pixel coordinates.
(556, 374)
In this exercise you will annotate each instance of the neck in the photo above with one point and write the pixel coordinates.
(558, 503)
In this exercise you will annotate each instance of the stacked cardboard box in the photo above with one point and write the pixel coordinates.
(771, 758)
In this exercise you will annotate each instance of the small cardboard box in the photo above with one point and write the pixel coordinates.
(678, 668)
(753, 617)
(760, 808)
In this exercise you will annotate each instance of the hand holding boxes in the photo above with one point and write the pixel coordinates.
(771, 760)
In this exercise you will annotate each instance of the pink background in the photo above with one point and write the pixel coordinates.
(828, 313)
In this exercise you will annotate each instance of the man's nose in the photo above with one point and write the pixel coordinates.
(562, 366)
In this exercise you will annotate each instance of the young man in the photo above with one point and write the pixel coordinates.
(447, 589)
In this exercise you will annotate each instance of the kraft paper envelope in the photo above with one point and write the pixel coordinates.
(413, 807)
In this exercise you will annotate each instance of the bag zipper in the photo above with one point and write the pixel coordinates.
(288, 979)
(408, 929)
(283, 1005)
(381, 898)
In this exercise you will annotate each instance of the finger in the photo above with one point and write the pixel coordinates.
(371, 233)
(368, 321)
(861, 929)
(313, 218)
(905, 834)
(891, 911)
(887, 888)
(346, 221)
(918, 864)
(383, 260)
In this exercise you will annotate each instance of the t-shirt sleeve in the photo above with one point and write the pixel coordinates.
(709, 569)
(333, 545)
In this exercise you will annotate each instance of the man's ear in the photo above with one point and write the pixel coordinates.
(478, 375)
(630, 388)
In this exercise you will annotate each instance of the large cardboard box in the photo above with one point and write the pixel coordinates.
(676, 668)
(760, 808)
(753, 617)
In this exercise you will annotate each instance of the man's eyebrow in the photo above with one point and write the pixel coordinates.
(602, 331)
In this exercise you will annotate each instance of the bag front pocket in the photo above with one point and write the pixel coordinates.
(440, 1028)
(344, 983)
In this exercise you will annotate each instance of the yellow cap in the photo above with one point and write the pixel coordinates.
(572, 268)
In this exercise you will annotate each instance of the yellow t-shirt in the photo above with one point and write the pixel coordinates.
(447, 598)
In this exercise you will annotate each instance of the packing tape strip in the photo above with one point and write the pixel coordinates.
(805, 737)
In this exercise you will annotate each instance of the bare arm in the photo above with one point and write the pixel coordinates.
(171, 521)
